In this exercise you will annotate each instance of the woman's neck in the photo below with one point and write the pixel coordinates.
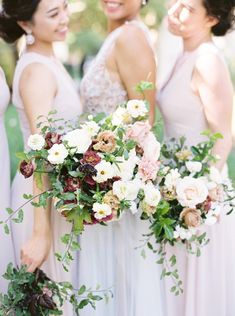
(41, 48)
(191, 43)
(114, 24)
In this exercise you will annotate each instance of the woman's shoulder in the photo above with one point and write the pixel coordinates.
(210, 64)
(135, 36)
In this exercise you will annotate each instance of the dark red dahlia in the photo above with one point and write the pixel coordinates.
(88, 169)
(108, 185)
(91, 157)
(96, 221)
(72, 184)
(89, 180)
(51, 139)
(26, 168)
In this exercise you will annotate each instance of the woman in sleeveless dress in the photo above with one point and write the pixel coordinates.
(108, 256)
(40, 85)
(198, 96)
(6, 246)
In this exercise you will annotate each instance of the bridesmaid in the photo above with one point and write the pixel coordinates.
(198, 96)
(40, 85)
(6, 246)
(108, 256)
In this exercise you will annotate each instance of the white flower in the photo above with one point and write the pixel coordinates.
(137, 108)
(121, 116)
(36, 142)
(171, 179)
(57, 154)
(194, 166)
(79, 140)
(165, 170)
(127, 190)
(191, 191)
(182, 233)
(152, 195)
(211, 220)
(216, 208)
(125, 168)
(91, 127)
(101, 210)
(215, 175)
(104, 171)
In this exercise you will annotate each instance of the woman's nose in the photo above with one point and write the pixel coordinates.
(175, 7)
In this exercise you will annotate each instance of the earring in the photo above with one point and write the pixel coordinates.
(144, 2)
(30, 39)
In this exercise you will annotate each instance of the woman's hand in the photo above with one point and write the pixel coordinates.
(36, 251)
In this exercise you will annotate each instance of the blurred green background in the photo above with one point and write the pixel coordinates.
(88, 29)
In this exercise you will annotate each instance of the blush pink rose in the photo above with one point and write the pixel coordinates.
(148, 169)
(138, 131)
(151, 147)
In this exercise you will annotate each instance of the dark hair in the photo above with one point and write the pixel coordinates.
(13, 11)
(223, 10)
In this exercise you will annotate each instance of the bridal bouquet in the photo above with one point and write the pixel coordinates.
(193, 195)
(97, 170)
(34, 294)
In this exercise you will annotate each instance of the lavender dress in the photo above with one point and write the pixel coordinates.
(6, 247)
(209, 281)
(68, 106)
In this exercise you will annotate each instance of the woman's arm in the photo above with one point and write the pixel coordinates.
(37, 89)
(213, 84)
(135, 62)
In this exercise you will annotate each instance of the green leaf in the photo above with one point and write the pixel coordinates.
(82, 290)
(38, 179)
(83, 303)
(22, 156)
(9, 210)
(19, 218)
(6, 229)
(169, 232)
(163, 208)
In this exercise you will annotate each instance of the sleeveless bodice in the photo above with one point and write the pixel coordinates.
(4, 94)
(99, 91)
(66, 102)
(181, 108)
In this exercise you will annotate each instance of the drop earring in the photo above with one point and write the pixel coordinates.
(144, 2)
(30, 39)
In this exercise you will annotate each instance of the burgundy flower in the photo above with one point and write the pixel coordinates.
(91, 157)
(51, 139)
(88, 169)
(207, 204)
(26, 168)
(109, 183)
(89, 180)
(95, 221)
(72, 184)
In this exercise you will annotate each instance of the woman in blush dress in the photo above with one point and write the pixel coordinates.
(197, 96)
(40, 85)
(6, 246)
(108, 256)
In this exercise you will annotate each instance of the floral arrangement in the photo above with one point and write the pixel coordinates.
(97, 170)
(34, 294)
(193, 195)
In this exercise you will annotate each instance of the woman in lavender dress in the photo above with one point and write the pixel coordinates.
(41, 84)
(197, 96)
(108, 256)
